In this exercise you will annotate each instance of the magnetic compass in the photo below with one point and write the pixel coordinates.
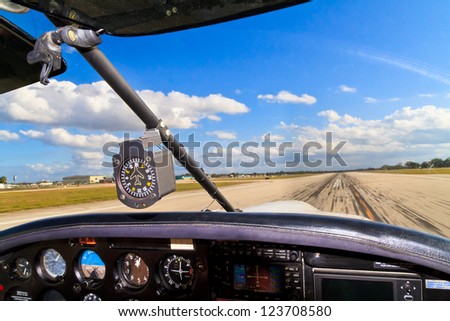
(138, 177)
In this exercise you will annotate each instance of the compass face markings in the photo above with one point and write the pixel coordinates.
(138, 177)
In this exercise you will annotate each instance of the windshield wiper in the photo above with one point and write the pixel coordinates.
(85, 41)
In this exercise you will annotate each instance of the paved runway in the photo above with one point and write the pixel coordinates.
(416, 201)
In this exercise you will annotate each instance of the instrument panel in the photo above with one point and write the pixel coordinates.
(106, 269)
(170, 269)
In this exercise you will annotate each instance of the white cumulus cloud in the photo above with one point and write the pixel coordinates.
(426, 95)
(221, 134)
(414, 132)
(49, 169)
(347, 89)
(62, 137)
(275, 137)
(96, 107)
(6, 135)
(32, 133)
(87, 154)
(288, 98)
(371, 100)
(286, 126)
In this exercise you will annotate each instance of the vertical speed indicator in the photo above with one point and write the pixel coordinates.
(138, 177)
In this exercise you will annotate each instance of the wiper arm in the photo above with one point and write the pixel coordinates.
(111, 75)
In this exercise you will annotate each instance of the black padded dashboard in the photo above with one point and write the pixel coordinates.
(214, 256)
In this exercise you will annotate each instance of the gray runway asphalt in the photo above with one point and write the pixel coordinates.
(415, 201)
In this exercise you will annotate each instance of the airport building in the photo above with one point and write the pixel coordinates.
(83, 179)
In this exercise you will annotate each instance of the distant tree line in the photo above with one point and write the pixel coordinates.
(434, 163)
(255, 174)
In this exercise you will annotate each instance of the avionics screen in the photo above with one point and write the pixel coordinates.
(258, 278)
(356, 290)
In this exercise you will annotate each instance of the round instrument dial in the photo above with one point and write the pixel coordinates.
(138, 177)
(92, 266)
(52, 264)
(91, 297)
(177, 272)
(134, 270)
(23, 268)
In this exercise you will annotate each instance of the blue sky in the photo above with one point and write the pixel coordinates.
(374, 73)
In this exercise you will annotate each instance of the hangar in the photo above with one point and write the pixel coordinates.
(83, 179)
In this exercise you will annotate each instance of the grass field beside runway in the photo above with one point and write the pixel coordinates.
(48, 197)
(415, 171)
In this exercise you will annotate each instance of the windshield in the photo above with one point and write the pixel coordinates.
(342, 105)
